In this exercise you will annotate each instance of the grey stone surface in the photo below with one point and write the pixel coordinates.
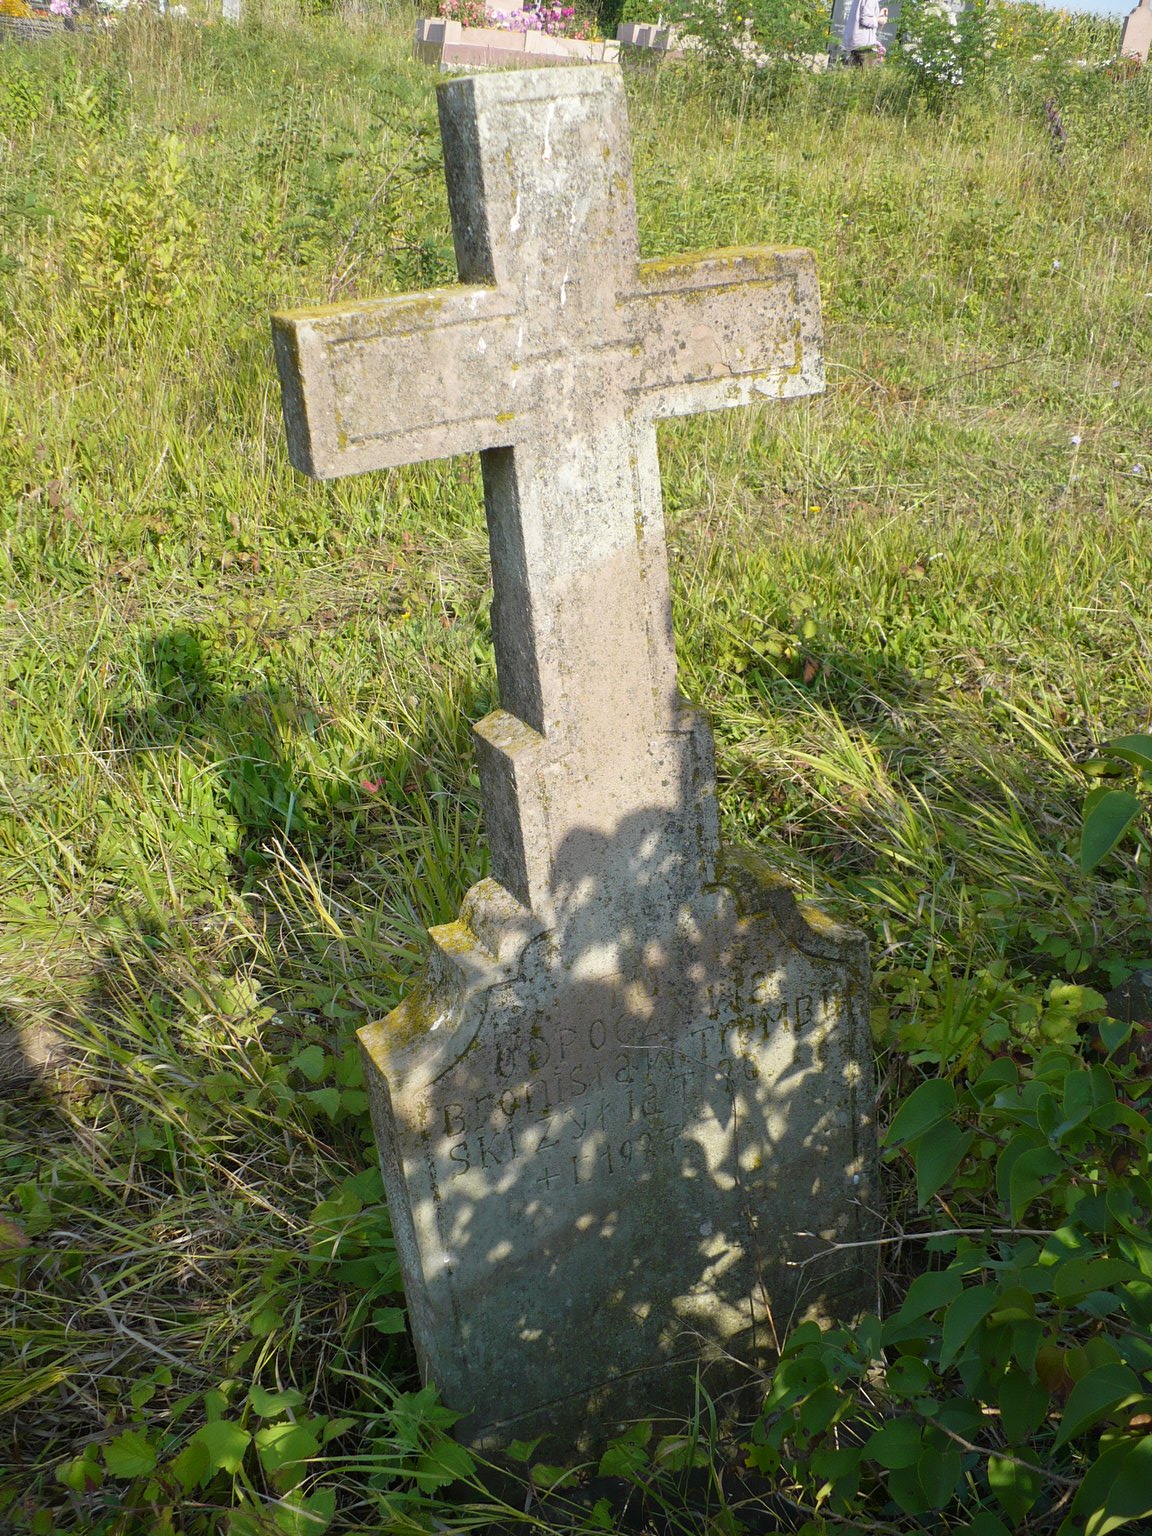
(630, 1102)
(1131, 1001)
(1136, 38)
(646, 34)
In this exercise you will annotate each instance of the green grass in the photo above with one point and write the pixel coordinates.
(236, 779)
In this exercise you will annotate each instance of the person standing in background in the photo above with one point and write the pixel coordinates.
(861, 32)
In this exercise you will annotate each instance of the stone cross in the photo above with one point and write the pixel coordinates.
(631, 1078)
(1136, 38)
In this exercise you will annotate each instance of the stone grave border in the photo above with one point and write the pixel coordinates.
(40, 25)
(452, 45)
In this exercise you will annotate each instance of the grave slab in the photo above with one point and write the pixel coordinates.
(453, 46)
(628, 1112)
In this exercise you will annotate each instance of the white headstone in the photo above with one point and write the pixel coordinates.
(634, 1074)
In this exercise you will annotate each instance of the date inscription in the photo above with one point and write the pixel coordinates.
(598, 1097)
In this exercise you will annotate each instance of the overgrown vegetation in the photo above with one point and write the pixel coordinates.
(237, 781)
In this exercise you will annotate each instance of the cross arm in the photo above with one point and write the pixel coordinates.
(724, 328)
(393, 381)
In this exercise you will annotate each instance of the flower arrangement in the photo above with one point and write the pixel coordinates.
(469, 13)
(557, 20)
(945, 51)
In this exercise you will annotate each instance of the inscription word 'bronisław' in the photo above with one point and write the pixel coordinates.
(629, 1104)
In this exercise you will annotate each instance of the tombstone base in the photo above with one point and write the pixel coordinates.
(615, 1165)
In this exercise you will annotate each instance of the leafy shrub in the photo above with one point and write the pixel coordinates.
(759, 32)
(134, 239)
(942, 52)
(1012, 1381)
(1027, 30)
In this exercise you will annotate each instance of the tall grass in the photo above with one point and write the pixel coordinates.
(235, 769)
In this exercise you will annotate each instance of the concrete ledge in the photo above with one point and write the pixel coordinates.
(454, 46)
(33, 26)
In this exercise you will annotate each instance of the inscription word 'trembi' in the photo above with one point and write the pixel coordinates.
(635, 1072)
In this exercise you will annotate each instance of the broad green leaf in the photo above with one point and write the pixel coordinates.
(548, 1477)
(305, 1515)
(1030, 1174)
(623, 1459)
(193, 1467)
(1136, 750)
(985, 1524)
(1015, 1305)
(1117, 1490)
(1023, 1405)
(388, 1320)
(818, 1410)
(963, 1318)
(523, 1450)
(904, 1489)
(929, 1292)
(1078, 1277)
(897, 1443)
(81, 1474)
(1113, 1034)
(924, 1108)
(937, 1158)
(224, 1444)
(1023, 1141)
(129, 1455)
(908, 1377)
(677, 1452)
(1094, 1396)
(636, 1434)
(998, 1075)
(326, 1099)
(839, 1468)
(1065, 1243)
(310, 1063)
(285, 1449)
(270, 1404)
(1108, 813)
(794, 1379)
(1017, 1487)
(939, 1472)
(962, 1416)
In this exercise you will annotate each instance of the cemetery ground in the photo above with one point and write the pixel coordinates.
(238, 784)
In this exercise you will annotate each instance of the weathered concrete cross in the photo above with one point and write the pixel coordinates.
(554, 357)
(630, 1086)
